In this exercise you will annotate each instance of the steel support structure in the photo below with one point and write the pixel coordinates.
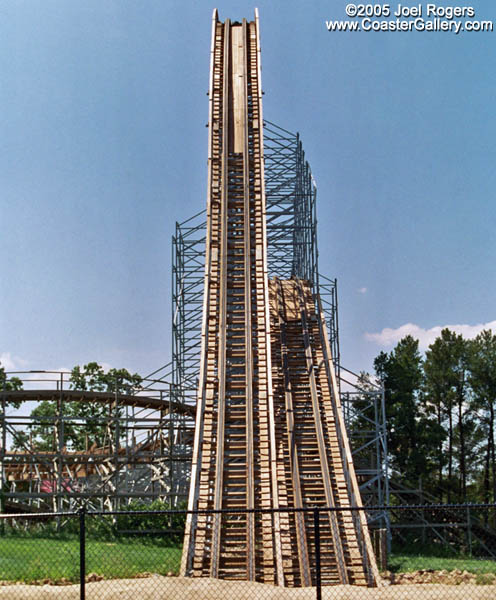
(291, 206)
(188, 266)
(365, 416)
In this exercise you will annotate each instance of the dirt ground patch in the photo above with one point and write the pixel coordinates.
(157, 587)
(453, 577)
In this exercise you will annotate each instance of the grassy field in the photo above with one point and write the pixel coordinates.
(38, 558)
(404, 563)
(35, 559)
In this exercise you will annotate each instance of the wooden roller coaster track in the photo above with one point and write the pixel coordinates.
(269, 428)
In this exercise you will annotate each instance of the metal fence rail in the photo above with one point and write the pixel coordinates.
(436, 552)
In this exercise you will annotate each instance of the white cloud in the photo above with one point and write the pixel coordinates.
(389, 337)
(362, 290)
(32, 379)
(50, 379)
(12, 363)
(45, 380)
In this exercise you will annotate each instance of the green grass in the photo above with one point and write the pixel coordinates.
(404, 563)
(34, 559)
(31, 559)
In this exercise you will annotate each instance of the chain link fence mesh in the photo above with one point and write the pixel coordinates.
(429, 552)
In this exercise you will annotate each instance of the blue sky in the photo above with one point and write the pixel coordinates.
(103, 147)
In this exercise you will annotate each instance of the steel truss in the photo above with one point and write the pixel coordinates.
(365, 416)
(291, 196)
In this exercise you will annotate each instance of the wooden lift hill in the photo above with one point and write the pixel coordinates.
(269, 427)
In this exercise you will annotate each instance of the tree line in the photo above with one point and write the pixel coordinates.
(441, 412)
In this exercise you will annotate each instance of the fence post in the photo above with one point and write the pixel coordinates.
(318, 577)
(469, 532)
(82, 553)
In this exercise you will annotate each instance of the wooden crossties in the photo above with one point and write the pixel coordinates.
(267, 434)
(313, 443)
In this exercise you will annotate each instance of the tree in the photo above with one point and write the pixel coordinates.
(482, 364)
(92, 377)
(11, 384)
(413, 435)
(95, 415)
(446, 392)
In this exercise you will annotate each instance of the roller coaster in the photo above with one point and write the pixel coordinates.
(136, 445)
(269, 427)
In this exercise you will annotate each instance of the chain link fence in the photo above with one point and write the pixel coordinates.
(430, 552)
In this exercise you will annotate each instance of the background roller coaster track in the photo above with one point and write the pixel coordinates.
(98, 397)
